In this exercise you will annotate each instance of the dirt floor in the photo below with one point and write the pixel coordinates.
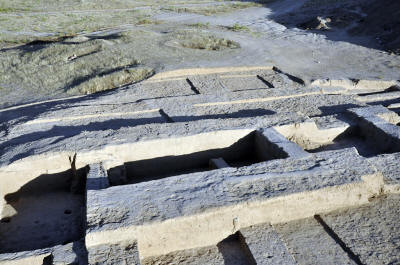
(51, 50)
(379, 20)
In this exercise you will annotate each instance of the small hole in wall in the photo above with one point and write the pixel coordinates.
(6, 220)
(67, 211)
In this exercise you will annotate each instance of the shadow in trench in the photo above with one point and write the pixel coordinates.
(251, 149)
(60, 133)
(48, 212)
(235, 250)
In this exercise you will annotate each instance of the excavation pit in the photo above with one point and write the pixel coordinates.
(197, 154)
(349, 138)
(44, 213)
(313, 140)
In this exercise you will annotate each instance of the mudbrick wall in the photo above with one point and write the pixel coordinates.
(205, 166)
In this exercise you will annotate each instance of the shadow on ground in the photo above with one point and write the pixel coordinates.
(59, 133)
(369, 23)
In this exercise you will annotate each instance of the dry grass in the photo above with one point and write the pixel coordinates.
(82, 65)
(113, 80)
(211, 9)
(60, 60)
(66, 23)
(204, 41)
(6, 9)
(67, 64)
(147, 21)
(237, 27)
(200, 25)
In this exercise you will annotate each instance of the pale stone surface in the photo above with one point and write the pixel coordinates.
(245, 81)
(279, 80)
(114, 254)
(35, 257)
(371, 231)
(135, 211)
(184, 213)
(166, 88)
(273, 179)
(332, 121)
(266, 245)
(310, 244)
(210, 84)
(282, 146)
(97, 177)
(199, 256)
(70, 254)
(384, 135)
(388, 164)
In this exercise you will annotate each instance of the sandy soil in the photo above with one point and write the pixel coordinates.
(51, 51)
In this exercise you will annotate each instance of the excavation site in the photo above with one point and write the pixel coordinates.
(199, 132)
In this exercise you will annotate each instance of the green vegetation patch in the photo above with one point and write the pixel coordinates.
(147, 21)
(237, 27)
(6, 9)
(200, 25)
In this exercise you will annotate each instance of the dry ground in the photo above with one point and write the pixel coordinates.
(52, 50)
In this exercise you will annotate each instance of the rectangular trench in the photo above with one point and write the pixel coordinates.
(365, 137)
(243, 149)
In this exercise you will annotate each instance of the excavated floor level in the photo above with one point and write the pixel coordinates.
(47, 212)
(351, 137)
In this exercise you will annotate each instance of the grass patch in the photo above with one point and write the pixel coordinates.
(27, 39)
(147, 21)
(73, 22)
(200, 25)
(204, 41)
(6, 9)
(237, 27)
(67, 5)
(112, 80)
(212, 9)
(72, 65)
